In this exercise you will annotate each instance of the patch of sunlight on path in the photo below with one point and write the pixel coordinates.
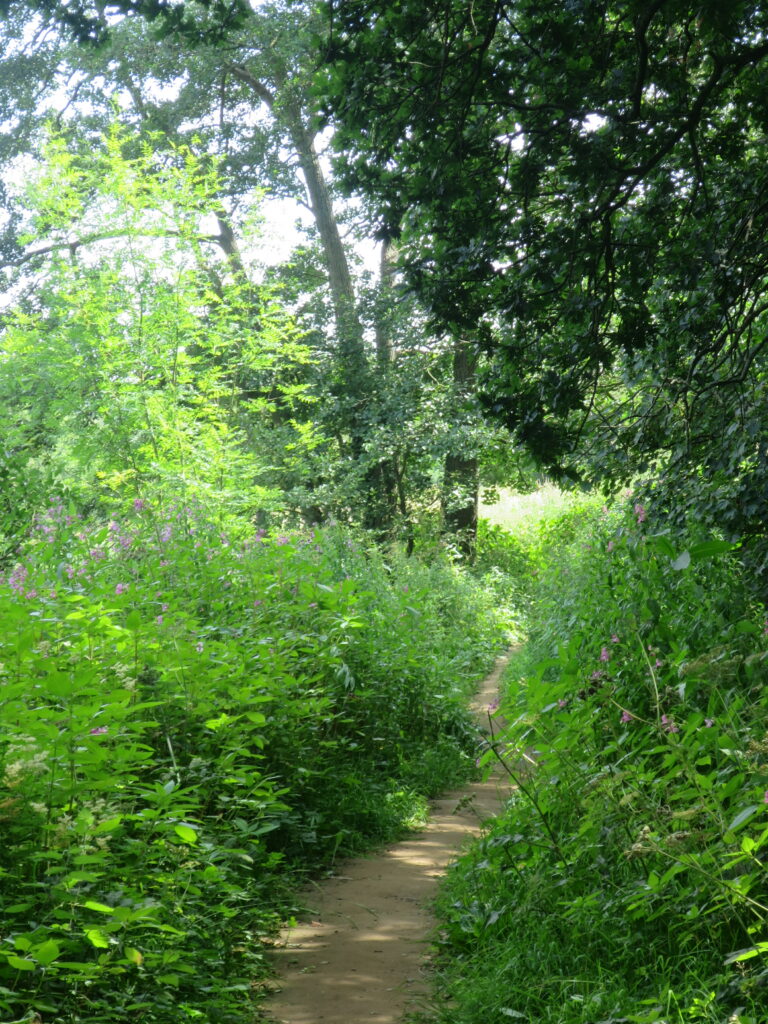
(362, 957)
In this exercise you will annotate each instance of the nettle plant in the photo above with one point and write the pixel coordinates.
(647, 712)
(183, 715)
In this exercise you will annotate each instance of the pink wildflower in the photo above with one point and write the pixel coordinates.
(100, 730)
(709, 722)
(605, 654)
(121, 588)
(640, 513)
(626, 716)
(668, 724)
(614, 638)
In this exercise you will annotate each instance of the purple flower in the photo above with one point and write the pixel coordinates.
(199, 647)
(640, 512)
(121, 588)
(605, 654)
(562, 703)
(165, 534)
(99, 730)
(668, 724)
(159, 620)
(765, 797)
(139, 504)
(614, 638)
(493, 706)
(709, 722)
(282, 539)
(256, 603)
(597, 675)
(626, 716)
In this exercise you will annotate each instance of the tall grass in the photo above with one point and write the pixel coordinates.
(626, 881)
(189, 720)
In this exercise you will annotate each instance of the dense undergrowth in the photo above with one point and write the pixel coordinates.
(627, 880)
(191, 719)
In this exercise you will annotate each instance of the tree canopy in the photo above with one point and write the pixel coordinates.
(582, 186)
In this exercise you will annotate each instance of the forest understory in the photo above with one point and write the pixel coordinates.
(342, 346)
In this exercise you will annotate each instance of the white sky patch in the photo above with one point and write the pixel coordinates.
(593, 122)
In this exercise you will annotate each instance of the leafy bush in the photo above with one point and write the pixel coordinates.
(184, 718)
(626, 882)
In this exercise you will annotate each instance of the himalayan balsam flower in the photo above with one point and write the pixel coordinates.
(121, 588)
(100, 730)
(626, 716)
(640, 512)
(605, 654)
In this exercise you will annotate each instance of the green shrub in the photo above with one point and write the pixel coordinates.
(626, 882)
(186, 721)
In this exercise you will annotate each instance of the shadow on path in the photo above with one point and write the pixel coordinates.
(361, 957)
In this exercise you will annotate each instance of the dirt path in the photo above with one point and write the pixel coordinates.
(360, 959)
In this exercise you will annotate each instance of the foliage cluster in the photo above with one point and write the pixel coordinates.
(589, 214)
(187, 715)
(626, 880)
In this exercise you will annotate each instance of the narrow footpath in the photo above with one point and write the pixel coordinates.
(361, 956)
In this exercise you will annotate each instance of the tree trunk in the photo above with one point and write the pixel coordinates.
(460, 478)
(384, 495)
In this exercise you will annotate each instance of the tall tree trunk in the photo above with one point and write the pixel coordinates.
(460, 477)
(383, 485)
(348, 326)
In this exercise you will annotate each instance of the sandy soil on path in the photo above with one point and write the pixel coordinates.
(361, 956)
